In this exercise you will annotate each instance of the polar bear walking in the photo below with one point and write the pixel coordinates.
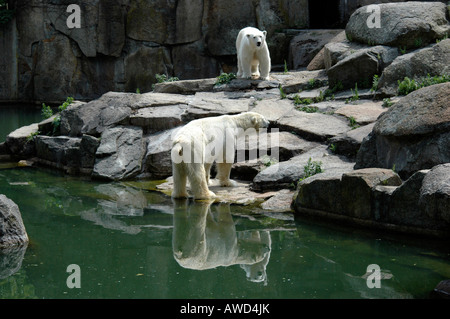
(199, 143)
(252, 54)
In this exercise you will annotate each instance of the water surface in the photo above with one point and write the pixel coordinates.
(131, 242)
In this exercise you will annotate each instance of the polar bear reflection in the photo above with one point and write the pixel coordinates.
(204, 237)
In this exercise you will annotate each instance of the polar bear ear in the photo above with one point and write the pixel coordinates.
(265, 33)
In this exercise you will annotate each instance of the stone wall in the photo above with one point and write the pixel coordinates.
(122, 44)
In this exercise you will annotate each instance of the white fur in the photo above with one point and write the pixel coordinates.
(192, 142)
(253, 60)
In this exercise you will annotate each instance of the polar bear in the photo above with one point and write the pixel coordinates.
(252, 54)
(199, 143)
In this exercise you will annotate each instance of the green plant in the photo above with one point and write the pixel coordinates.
(161, 78)
(387, 102)
(444, 38)
(138, 91)
(309, 109)
(418, 42)
(353, 123)
(64, 106)
(355, 94)
(32, 136)
(375, 80)
(285, 68)
(402, 50)
(333, 148)
(225, 78)
(282, 94)
(311, 168)
(409, 85)
(6, 14)
(46, 111)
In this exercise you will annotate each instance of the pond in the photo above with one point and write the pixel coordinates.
(131, 242)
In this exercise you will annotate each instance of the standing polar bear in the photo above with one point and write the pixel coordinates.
(199, 143)
(252, 54)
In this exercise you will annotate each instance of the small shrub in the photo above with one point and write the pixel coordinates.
(225, 78)
(387, 102)
(353, 123)
(282, 94)
(161, 78)
(46, 111)
(375, 81)
(312, 168)
(407, 85)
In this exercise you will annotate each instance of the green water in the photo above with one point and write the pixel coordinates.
(15, 116)
(130, 242)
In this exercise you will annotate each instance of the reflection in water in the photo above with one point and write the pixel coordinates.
(205, 237)
(11, 260)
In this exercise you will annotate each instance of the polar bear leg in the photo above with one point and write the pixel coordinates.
(255, 68)
(264, 64)
(179, 181)
(197, 179)
(208, 173)
(223, 174)
(246, 66)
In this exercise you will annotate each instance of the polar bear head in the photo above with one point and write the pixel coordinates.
(251, 120)
(257, 38)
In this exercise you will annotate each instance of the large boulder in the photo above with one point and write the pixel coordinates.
(120, 153)
(433, 60)
(304, 46)
(360, 66)
(413, 134)
(408, 24)
(20, 143)
(343, 193)
(12, 229)
(378, 198)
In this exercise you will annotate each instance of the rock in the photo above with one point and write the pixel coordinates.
(61, 151)
(157, 163)
(205, 104)
(158, 118)
(12, 229)
(361, 66)
(239, 195)
(336, 51)
(305, 46)
(293, 82)
(272, 109)
(363, 112)
(120, 153)
(313, 126)
(433, 60)
(343, 193)
(19, 142)
(141, 65)
(111, 109)
(318, 62)
(186, 86)
(192, 61)
(412, 135)
(56, 64)
(442, 290)
(435, 193)
(349, 143)
(409, 24)
(287, 174)
(280, 202)
(11, 259)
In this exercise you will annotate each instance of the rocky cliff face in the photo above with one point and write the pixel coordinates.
(122, 44)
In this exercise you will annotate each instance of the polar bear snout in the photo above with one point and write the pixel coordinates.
(258, 44)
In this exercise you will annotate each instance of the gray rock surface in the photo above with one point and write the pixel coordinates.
(402, 24)
(12, 229)
(433, 60)
(412, 135)
(120, 153)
